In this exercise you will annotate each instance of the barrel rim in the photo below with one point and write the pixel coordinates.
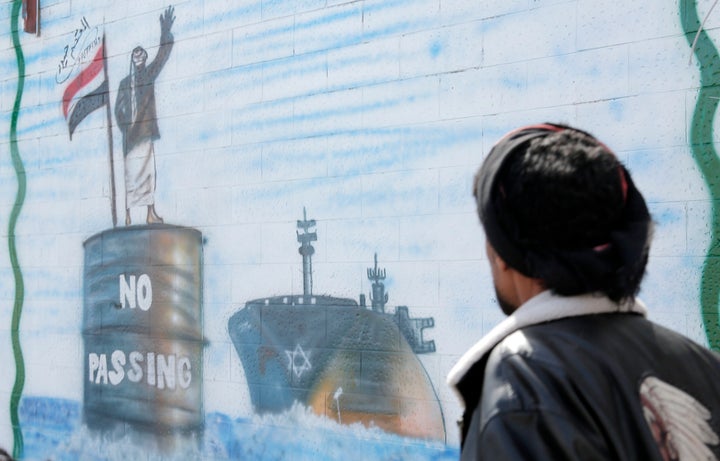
(141, 227)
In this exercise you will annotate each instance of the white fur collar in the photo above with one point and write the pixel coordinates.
(541, 308)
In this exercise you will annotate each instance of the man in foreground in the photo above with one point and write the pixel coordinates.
(576, 371)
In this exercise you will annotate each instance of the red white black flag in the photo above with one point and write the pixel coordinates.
(86, 92)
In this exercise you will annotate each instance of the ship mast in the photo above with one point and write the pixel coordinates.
(306, 250)
(378, 297)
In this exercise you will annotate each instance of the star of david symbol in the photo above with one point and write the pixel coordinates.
(298, 362)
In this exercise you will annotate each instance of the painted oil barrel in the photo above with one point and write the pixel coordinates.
(142, 329)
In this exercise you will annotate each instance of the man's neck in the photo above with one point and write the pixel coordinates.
(526, 288)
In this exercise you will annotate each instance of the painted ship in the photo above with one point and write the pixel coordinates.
(340, 357)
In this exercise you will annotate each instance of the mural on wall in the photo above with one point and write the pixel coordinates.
(142, 335)
(343, 359)
(214, 339)
(706, 158)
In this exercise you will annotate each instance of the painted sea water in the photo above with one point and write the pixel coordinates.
(53, 430)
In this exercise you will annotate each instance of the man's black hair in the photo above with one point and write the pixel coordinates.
(560, 207)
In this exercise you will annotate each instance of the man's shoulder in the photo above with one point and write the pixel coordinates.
(518, 372)
(596, 344)
(538, 346)
(606, 346)
(538, 341)
(575, 335)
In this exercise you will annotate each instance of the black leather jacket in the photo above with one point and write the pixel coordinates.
(604, 386)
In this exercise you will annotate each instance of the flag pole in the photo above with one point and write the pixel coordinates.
(113, 207)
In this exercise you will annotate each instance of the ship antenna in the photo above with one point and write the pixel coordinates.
(379, 297)
(306, 250)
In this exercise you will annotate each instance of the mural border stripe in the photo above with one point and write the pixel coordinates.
(15, 212)
(706, 159)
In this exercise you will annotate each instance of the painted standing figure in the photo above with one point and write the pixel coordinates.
(136, 116)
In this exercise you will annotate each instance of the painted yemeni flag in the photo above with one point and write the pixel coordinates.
(87, 92)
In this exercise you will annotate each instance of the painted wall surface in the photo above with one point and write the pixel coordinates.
(256, 238)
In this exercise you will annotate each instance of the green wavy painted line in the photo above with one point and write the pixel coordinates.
(705, 156)
(18, 446)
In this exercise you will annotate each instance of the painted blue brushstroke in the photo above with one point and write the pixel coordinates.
(663, 215)
(54, 431)
(323, 114)
(263, 40)
(375, 150)
(42, 118)
(378, 150)
(373, 158)
(512, 83)
(278, 69)
(270, 30)
(358, 80)
(277, 8)
(333, 16)
(397, 29)
(417, 250)
(60, 276)
(309, 187)
(435, 49)
(315, 63)
(398, 9)
(7, 66)
(617, 109)
(32, 60)
(226, 15)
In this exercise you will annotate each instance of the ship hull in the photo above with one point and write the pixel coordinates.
(340, 359)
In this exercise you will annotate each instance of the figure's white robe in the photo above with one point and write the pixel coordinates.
(140, 175)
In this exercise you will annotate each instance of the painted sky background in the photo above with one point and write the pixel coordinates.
(374, 115)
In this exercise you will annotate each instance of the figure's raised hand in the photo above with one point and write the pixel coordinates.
(167, 19)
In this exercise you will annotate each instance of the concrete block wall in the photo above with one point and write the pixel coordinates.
(373, 116)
